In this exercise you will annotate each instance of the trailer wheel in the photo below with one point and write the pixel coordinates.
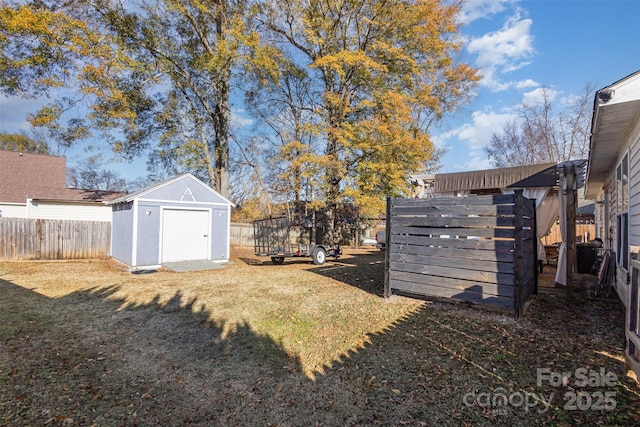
(319, 256)
(277, 260)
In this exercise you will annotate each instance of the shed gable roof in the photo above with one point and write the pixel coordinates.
(154, 191)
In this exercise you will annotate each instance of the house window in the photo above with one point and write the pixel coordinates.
(622, 213)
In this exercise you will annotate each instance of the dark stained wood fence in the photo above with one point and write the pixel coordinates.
(479, 249)
(22, 238)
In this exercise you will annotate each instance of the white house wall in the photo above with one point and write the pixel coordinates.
(633, 149)
(68, 211)
(13, 210)
(634, 187)
(634, 240)
(609, 200)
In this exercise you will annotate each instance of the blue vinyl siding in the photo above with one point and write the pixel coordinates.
(148, 223)
(121, 236)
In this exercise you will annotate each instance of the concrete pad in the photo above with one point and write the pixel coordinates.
(196, 265)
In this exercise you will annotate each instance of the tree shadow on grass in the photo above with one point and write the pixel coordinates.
(92, 358)
(364, 271)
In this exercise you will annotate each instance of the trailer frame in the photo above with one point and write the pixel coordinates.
(273, 238)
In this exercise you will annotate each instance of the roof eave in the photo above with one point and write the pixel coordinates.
(616, 109)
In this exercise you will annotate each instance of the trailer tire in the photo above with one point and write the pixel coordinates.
(277, 260)
(319, 256)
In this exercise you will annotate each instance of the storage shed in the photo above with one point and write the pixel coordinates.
(180, 219)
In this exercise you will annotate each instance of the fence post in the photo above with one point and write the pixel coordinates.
(387, 249)
(536, 242)
(38, 239)
(518, 253)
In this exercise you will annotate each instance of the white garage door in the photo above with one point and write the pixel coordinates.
(185, 235)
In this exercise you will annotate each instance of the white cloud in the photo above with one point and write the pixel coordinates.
(525, 84)
(239, 118)
(474, 164)
(504, 51)
(536, 96)
(475, 136)
(476, 9)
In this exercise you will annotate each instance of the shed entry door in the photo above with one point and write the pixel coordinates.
(185, 235)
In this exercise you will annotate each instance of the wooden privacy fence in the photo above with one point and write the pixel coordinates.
(22, 238)
(584, 233)
(479, 249)
(241, 234)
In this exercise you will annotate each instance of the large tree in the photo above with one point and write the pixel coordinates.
(544, 133)
(20, 142)
(153, 75)
(286, 126)
(382, 72)
(90, 175)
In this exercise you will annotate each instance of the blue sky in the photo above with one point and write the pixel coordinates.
(519, 46)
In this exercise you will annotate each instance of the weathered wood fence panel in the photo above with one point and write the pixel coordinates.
(22, 238)
(241, 234)
(479, 249)
(585, 232)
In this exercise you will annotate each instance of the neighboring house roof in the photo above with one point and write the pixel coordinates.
(616, 109)
(76, 195)
(42, 177)
(22, 175)
(148, 189)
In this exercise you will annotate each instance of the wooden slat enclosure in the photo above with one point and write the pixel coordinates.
(479, 249)
(22, 238)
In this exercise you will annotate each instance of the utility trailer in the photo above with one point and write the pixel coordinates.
(279, 239)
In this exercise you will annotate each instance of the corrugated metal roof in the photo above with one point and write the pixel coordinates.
(493, 178)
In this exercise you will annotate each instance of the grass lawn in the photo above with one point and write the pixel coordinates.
(88, 343)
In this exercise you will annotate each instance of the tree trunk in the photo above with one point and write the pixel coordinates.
(222, 115)
(332, 182)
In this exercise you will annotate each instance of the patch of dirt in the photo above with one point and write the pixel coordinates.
(87, 343)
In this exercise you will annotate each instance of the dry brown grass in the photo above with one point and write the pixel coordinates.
(89, 343)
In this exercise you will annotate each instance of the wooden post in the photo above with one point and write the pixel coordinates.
(518, 254)
(536, 241)
(570, 200)
(387, 249)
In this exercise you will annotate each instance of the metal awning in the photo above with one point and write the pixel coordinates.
(496, 178)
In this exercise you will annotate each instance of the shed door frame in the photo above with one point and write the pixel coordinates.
(163, 210)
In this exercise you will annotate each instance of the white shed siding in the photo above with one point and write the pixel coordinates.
(68, 211)
(13, 210)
